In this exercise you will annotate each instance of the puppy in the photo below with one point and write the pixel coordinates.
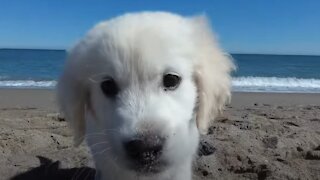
(140, 88)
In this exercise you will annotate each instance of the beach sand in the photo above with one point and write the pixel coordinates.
(260, 136)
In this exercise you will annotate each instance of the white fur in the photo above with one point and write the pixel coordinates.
(136, 50)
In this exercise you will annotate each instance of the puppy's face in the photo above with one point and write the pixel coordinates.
(146, 82)
(144, 101)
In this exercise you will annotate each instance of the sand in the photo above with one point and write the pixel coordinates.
(260, 136)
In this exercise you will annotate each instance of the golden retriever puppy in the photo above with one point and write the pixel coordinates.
(140, 88)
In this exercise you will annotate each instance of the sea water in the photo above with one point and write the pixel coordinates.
(31, 68)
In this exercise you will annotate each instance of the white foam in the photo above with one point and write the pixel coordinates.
(27, 84)
(242, 84)
(275, 84)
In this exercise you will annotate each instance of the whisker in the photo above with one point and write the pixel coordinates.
(104, 133)
(100, 152)
(93, 145)
(91, 135)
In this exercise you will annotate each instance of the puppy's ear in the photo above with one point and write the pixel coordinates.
(72, 98)
(212, 74)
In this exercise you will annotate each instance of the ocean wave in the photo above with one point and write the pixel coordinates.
(275, 84)
(27, 84)
(242, 84)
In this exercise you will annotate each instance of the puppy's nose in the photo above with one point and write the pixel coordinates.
(144, 150)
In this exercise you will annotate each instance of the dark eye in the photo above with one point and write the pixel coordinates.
(109, 87)
(171, 81)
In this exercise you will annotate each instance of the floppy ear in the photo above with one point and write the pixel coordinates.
(212, 75)
(72, 98)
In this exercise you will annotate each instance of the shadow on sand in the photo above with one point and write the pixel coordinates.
(49, 170)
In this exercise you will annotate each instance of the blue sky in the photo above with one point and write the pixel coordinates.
(243, 26)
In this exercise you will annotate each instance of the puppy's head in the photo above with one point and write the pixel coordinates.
(149, 81)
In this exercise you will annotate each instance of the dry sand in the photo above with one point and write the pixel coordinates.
(260, 136)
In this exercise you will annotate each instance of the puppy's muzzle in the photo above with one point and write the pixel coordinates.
(144, 150)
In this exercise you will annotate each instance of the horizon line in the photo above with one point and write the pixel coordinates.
(234, 53)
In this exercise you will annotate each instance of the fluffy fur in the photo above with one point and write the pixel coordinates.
(136, 50)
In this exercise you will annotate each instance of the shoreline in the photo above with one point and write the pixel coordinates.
(46, 98)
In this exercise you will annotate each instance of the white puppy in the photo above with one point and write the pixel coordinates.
(140, 88)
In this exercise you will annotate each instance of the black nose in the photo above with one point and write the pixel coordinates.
(144, 150)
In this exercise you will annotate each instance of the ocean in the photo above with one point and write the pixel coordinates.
(31, 68)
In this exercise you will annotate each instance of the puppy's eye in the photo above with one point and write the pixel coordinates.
(109, 87)
(171, 81)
